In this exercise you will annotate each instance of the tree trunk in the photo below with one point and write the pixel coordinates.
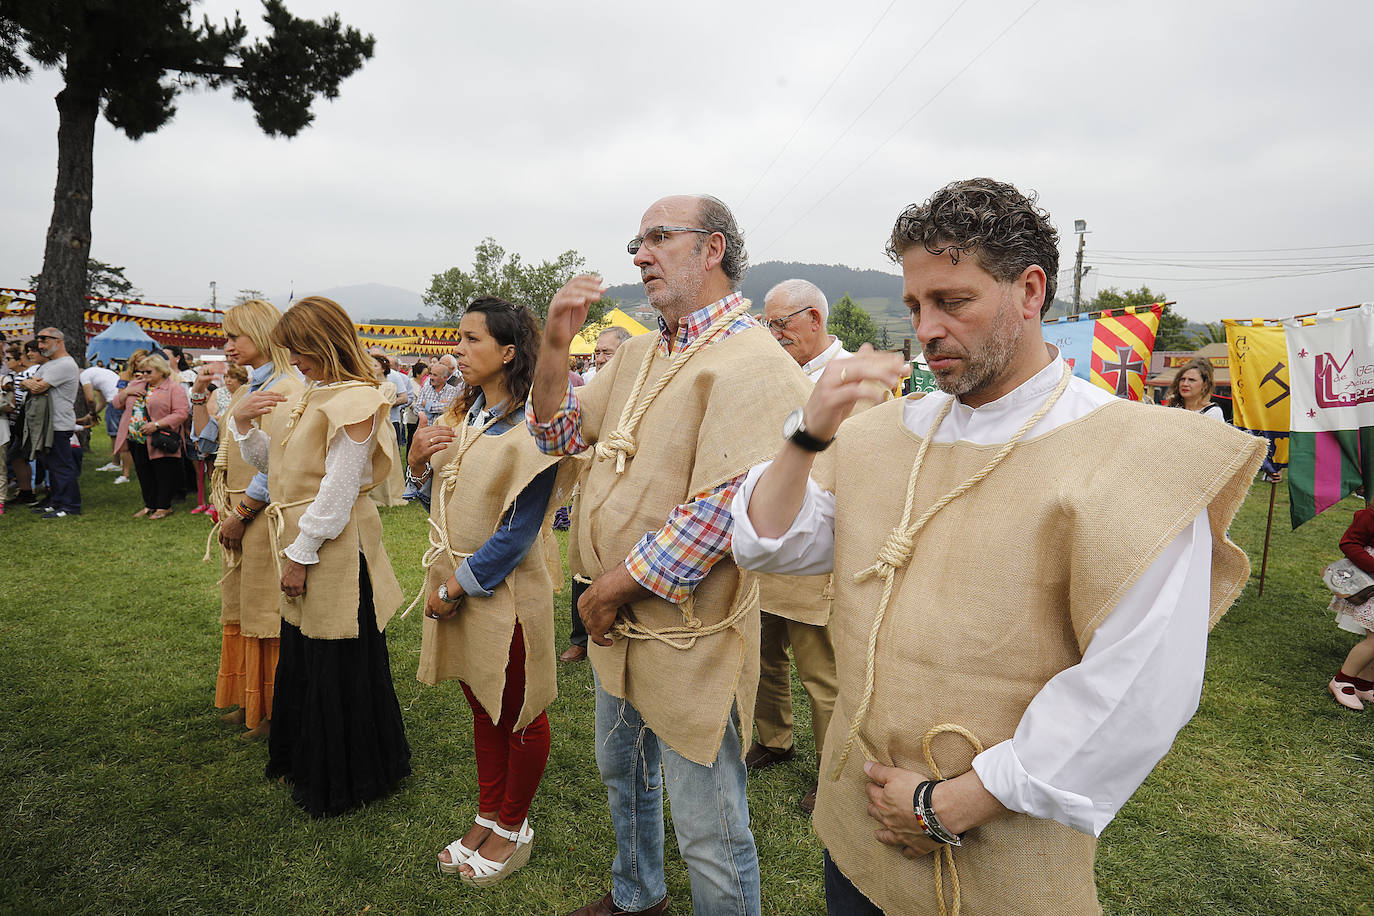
(62, 287)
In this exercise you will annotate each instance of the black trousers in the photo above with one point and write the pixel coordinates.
(157, 477)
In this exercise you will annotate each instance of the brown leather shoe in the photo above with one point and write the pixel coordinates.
(573, 654)
(808, 802)
(760, 756)
(606, 907)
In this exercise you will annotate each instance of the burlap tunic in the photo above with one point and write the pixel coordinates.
(474, 645)
(1076, 528)
(250, 588)
(718, 417)
(329, 608)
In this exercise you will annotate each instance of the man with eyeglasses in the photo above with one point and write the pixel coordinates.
(796, 609)
(59, 378)
(796, 312)
(675, 419)
(607, 342)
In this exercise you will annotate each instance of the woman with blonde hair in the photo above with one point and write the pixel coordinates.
(157, 410)
(337, 736)
(489, 593)
(121, 448)
(1191, 389)
(250, 617)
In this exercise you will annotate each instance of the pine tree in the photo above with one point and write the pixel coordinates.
(132, 58)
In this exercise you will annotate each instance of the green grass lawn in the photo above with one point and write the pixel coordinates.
(124, 793)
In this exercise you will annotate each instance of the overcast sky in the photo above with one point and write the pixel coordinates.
(1183, 132)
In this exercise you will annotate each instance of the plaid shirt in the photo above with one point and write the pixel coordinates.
(671, 561)
(433, 402)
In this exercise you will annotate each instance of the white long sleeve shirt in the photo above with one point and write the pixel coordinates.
(347, 469)
(1095, 731)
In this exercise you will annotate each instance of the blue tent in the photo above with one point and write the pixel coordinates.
(118, 342)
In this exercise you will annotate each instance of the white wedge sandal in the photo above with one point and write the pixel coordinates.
(459, 853)
(486, 872)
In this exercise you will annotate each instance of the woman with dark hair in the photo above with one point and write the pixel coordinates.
(337, 735)
(488, 588)
(1191, 389)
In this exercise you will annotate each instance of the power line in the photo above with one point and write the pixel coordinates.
(826, 196)
(1173, 280)
(909, 61)
(824, 95)
(1229, 250)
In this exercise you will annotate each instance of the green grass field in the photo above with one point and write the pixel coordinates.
(124, 793)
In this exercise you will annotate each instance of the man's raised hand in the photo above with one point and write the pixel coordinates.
(568, 309)
(847, 381)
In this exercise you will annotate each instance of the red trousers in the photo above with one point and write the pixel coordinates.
(510, 763)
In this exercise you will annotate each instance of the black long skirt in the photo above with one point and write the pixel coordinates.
(337, 734)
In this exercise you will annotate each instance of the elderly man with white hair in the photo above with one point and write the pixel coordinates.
(796, 609)
(796, 312)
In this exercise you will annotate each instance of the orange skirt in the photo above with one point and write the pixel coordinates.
(247, 673)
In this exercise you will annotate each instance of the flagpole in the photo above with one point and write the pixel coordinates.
(1264, 562)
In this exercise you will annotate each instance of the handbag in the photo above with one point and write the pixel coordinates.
(164, 440)
(1348, 581)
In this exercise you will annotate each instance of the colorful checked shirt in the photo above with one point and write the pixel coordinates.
(434, 401)
(671, 561)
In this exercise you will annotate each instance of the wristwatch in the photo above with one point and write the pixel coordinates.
(443, 594)
(794, 429)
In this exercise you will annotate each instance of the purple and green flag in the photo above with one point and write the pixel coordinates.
(1331, 425)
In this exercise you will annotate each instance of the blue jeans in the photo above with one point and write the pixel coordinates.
(710, 815)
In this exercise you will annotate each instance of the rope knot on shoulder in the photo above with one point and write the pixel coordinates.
(618, 445)
(892, 556)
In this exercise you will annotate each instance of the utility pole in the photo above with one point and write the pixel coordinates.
(1080, 226)
(212, 282)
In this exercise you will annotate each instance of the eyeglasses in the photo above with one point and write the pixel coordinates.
(46, 337)
(601, 352)
(143, 372)
(779, 324)
(657, 235)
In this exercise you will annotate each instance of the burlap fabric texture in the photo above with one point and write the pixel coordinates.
(718, 417)
(1073, 526)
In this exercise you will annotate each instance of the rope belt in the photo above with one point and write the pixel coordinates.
(276, 527)
(621, 444)
(219, 493)
(896, 551)
(685, 635)
(439, 544)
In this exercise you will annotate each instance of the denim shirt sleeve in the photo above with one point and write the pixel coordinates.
(503, 551)
(257, 488)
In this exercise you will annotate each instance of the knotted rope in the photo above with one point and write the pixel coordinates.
(685, 635)
(439, 544)
(896, 551)
(621, 443)
(219, 493)
(276, 527)
(944, 856)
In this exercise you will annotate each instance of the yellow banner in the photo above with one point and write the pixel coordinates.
(1259, 381)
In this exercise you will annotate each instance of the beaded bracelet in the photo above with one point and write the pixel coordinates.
(925, 815)
(199, 398)
(247, 513)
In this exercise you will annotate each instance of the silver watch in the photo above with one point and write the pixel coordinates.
(443, 594)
